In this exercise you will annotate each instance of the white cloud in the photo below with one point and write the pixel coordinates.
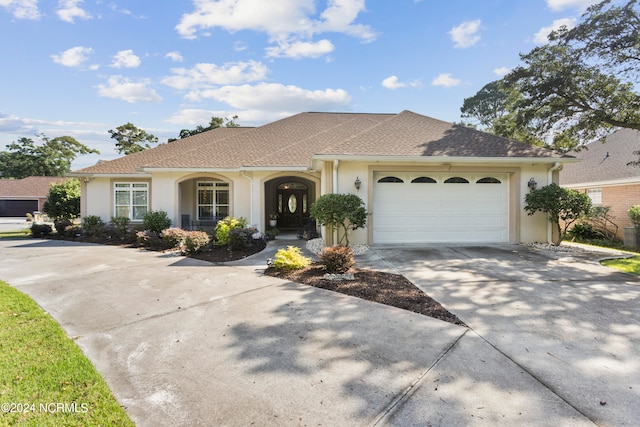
(175, 56)
(207, 74)
(541, 37)
(125, 59)
(68, 10)
(446, 80)
(557, 5)
(393, 83)
(194, 117)
(120, 87)
(22, 9)
(290, 22)
(501, 71)
(73, 57)
(466, 34)
(277, 97)
(300, 49)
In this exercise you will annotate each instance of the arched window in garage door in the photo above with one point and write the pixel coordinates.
(423, 180)
(390, 179)
(456, 180)
(488, 180)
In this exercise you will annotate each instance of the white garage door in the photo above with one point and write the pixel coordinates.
(421, 207)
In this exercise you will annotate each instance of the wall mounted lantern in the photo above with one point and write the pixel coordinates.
(532, 184)
(357, 183)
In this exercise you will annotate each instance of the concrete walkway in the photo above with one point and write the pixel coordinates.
(183, 342)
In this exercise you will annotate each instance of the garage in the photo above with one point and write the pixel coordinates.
(425, 207)
(15, 208)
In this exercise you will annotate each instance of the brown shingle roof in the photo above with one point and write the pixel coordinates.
(411, 134)
(291, 142)
(29, 187)
(605, 160)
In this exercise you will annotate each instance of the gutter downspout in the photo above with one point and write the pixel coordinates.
(244, 174)
(336, 162)
(550, 172)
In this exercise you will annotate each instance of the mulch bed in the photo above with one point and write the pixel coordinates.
(223, 254)
(385, 288)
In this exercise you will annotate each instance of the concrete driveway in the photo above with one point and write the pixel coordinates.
(560, 316)
(184, 342)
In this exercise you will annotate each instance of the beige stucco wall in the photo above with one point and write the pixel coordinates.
(174, 192)
(522, 227)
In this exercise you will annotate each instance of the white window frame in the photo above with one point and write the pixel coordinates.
(217, 208)
(595, 194)
(135, 211)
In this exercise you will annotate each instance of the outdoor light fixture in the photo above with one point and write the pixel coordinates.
(532, 184)
(357, 183)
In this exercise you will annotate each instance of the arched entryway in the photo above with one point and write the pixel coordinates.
(288, 200)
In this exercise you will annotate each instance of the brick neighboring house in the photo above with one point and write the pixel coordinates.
(27, 195)
(605, 176)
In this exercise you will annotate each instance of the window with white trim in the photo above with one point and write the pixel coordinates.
(595, 194)
(131, 200)
(213, 200)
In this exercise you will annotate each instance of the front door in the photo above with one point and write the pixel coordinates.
(292, 201)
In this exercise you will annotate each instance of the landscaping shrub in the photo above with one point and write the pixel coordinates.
(173, 237)
(583, 231)
(156, 221)
(148, 239)
(240, 238)
(195, 240)
(92, 225)
(224, 227)
(41, 230)
(290, 259)
(121, 225)
(61, 225)
(337, 259)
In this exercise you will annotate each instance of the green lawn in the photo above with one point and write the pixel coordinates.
(628, 265)
(14, 234)
(45, 380)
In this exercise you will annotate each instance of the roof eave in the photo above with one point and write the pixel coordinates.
(606, 183)
(108, 175)
(442, 159)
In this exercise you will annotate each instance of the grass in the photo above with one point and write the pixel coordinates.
(14, 234)
(627, 265)
(44, 377)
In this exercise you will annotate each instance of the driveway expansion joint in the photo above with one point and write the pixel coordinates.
(384, 415)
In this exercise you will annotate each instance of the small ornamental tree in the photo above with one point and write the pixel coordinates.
(63, 200)
(563, 206)
(345, 212)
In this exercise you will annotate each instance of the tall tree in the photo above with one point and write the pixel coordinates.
(486, 106)
(46, 157)
(130, 139)
(214, 123)
(581, 85)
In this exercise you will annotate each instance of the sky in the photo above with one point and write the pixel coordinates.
(81, 68)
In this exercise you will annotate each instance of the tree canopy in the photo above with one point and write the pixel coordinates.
(130, 139)
(63, 200)
(46, 157)
(214, 123)
(345, 212)
(580, 86)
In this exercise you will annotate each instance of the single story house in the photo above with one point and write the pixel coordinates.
(604, 175)
(27, 195)
(422, 180)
